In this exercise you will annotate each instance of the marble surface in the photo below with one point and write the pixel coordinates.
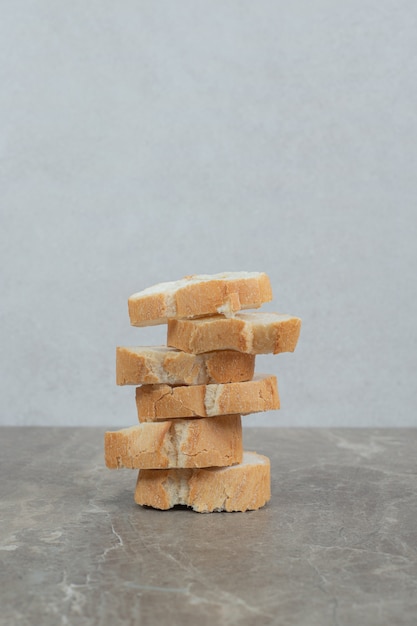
(335, 546)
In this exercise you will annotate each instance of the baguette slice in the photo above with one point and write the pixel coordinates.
(160, 364)
(176, 443)
(242, 487)
(200, 294)
(252, 333)
(159, 402)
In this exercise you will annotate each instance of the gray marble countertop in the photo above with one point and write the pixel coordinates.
(336, 545)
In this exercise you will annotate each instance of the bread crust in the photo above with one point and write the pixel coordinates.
(160, 364)
(159, 402)
(251, 333)
(176, 444)
(198, 295)
(242, 487)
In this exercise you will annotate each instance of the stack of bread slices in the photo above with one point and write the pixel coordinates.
(191, 393)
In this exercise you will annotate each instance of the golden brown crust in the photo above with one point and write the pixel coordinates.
(159, 402)
(177, 443)
(137, 447)
(242, 487)
(246, 332)
(228, 366)
(160, 364)
(208, 333)
(199, 295)
(149, 310)
(150, 489)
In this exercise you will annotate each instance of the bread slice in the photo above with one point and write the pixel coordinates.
(159, 402)
(242, 487)
(160, 364)
(200, 294)
(252, 333)
(205, 442)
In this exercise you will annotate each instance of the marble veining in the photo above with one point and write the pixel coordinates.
(337, 544)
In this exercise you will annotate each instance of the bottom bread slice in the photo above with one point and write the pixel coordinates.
(242, 487)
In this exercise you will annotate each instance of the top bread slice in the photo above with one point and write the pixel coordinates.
(199, 295)
(251, 333)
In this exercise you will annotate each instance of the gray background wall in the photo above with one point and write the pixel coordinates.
(142, 141)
